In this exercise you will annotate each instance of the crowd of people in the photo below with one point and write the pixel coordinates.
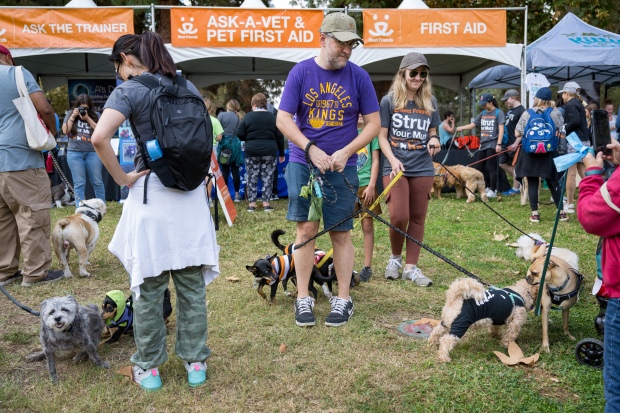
(404, 130)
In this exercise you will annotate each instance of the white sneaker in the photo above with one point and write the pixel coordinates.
(415, 275)
(391, 271)
(569, 208)
(491, 194)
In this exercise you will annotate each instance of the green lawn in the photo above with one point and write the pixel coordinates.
(366, 366)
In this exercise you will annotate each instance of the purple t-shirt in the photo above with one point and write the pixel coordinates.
(326, 104)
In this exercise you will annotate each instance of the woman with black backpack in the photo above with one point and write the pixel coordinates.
(171, 235)
(539, 165)
(229, 154)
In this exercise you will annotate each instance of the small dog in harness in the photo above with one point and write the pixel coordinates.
(468, 303)
(117, 313)
(563, 283)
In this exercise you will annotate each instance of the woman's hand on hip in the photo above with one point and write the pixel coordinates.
(133, 176)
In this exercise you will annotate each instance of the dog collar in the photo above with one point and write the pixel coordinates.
(88, 212)
(72, 325)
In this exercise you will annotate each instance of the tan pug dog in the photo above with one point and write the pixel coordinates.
(562, 284)
(79, 231)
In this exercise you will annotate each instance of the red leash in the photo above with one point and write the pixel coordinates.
(489, 157)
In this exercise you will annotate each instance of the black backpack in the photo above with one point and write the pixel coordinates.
(182, 127)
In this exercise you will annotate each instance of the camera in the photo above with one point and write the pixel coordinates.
(82, 111)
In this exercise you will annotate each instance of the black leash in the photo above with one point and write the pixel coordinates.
(20, 305)
(364, 209)
(485, 203)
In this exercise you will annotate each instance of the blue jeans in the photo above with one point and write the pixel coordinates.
(611, 356)
(80, 164)
(338, 200)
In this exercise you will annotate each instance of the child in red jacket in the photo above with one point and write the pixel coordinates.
(599, 214)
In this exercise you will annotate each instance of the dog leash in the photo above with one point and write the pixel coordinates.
(492, 156)
(356, 223)
(62, 175)
(485, 203)
(550, 248)
(421, 244)
(20, 305)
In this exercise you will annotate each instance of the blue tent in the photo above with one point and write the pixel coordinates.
(572, 50)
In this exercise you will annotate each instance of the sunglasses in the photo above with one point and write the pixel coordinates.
(352, 44)
(413, 74)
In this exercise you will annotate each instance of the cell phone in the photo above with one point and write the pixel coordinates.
(601, 135)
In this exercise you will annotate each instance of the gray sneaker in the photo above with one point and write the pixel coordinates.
(391, 271)
(415, 275)
(52, 275)
(365, 274)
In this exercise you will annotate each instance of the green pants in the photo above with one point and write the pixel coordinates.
(191, 315)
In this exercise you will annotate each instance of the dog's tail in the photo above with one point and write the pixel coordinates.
(62, 223)
(275, 238)
(464, 289)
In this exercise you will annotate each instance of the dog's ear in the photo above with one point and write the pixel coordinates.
(553, 264)
(43, 305)
(71, 299)
(273, 257)
(251, 268)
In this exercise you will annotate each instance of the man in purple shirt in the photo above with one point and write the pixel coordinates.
(322, 99)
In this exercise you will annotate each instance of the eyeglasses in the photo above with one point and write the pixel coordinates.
(352, 44)
(413, 74)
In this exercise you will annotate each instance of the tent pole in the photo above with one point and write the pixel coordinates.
(524, 61)
(152, 17)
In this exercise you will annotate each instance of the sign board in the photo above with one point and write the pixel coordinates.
(43, 28)
(245, 27)
(434, 28)
(222, 192)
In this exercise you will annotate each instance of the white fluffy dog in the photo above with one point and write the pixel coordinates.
(79, 231)
(532, 246)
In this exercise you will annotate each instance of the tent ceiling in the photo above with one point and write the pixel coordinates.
(451, 68)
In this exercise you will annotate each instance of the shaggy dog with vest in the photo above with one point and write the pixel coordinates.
(562, 285)
(468, 303)
(65, 325)
(465, 180)
(79, 231)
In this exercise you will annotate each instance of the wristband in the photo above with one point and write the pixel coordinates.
(433, 136)
(596, 171)
(307, 151)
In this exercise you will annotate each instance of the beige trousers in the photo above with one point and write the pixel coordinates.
(25, 201)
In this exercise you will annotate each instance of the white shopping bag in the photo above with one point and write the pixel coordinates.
(38, 134)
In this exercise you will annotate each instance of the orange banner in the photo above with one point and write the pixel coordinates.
(434, 28)
(245, 27)
(42, 28)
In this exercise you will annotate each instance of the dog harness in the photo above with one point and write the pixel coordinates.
(122, 319)
(95, 216)
(282, 266)
(496, 305)
(557, 299)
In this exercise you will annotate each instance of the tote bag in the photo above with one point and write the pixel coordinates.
(38, 134)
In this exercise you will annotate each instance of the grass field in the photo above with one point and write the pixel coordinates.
(366, 366)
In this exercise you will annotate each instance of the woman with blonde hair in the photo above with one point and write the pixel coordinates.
(539, 165)
(408, 139)
(229, 154)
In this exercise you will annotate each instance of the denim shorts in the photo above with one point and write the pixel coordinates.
(336, 206)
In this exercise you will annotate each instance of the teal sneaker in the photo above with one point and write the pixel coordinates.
(148, 379)
(196, 373)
